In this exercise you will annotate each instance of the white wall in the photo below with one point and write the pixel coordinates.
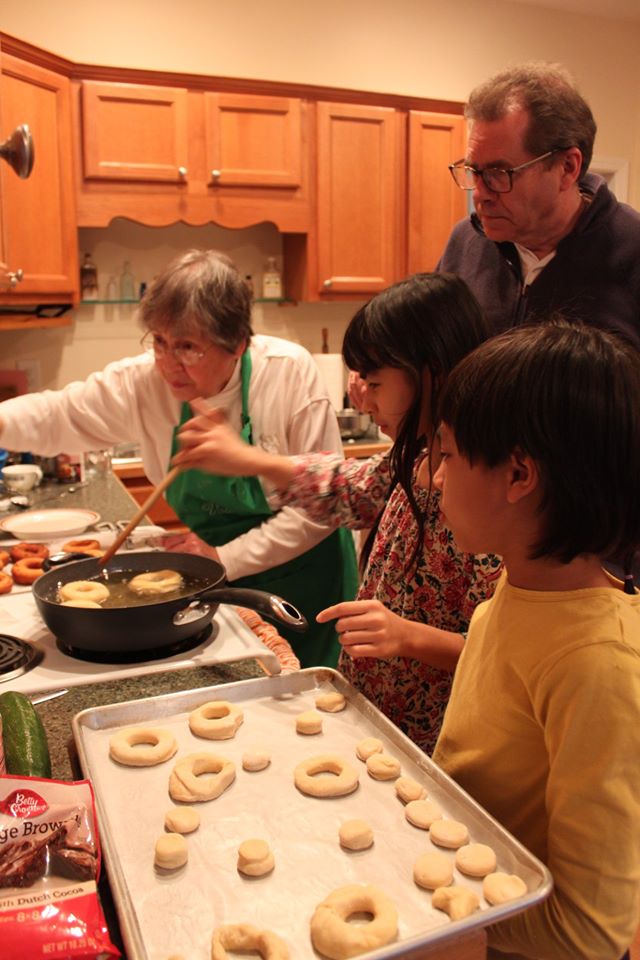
(426, 48)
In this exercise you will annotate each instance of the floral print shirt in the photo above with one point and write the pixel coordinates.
(442, 589)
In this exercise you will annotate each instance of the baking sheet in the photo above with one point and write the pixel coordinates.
(177, 912)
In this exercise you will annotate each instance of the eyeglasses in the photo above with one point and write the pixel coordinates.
(186, 353)
(496, 179)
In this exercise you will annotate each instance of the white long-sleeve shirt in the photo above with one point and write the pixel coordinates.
(129, 401)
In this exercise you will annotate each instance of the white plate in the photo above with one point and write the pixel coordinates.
(48, 524)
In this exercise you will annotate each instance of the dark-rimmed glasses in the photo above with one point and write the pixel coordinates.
(496, 179)
(186, 353)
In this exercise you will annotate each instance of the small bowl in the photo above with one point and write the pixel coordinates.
(20, 477)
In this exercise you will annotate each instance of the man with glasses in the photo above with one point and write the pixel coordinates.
(545, 235)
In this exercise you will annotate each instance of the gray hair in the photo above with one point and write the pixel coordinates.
(559, 116)
(200, 292)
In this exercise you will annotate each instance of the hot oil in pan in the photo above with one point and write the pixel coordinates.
(121, 594)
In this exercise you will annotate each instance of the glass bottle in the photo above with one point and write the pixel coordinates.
(127, 283)
(112, 288)
(88, 279)
(271, 281)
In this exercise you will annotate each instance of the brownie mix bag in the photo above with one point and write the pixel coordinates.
(49, 867)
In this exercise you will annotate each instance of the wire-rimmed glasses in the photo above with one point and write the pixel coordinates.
(186, 353)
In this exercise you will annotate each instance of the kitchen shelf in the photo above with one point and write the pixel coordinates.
(93, 302)
(282, 300)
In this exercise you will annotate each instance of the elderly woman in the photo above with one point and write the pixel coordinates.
(197, 317)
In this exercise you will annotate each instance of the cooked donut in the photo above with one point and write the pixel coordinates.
(475, 859)
(306, 779)
(243, 938)
(23, 550)
(309, 723)
(216, 720)
(84, 590)
(181, 820)
(422, 813)
(355, 835)
(382, 767)
(187, 786)
(334, 937)
(171, 851)
(156, 581)
(255, 760)
(255, 858)
(331, 702)
(27, 571)
(433, 870)
(502, 887)
(458, 902)
(408, 789)
(4, 558)
(87, 604)
(448, 833)
(6, 583)
(367, 747)
(81, 546)
(142, 746)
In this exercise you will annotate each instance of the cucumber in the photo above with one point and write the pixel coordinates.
(26, 749)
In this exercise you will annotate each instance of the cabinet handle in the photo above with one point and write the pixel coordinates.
(216, 174)
(327, 283)
(182, 172)
(15, 278)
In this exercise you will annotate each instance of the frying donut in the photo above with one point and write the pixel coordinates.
(83, 590)
(6, 583)
(4, 558)
(216, 720)
(305, 779)
(23, 550)
(26, 571)
(156, 581)
(87, 604)
(80, 546)
(186, 784)
(334, 937)
(160, 746)
(243, 938)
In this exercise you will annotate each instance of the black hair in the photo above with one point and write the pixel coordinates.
(427, 322)
(568, 395)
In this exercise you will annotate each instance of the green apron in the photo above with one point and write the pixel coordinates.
(219, 509)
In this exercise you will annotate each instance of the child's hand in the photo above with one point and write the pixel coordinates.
(365, 628)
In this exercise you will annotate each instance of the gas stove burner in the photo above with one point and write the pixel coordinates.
(16, 657)
(139, 656)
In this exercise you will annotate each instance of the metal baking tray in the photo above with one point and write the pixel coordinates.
(177, 913)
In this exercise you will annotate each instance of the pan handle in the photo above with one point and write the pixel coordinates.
(270, 605)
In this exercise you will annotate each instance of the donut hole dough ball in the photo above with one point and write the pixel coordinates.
(332, 702)
(343, 779)
(333, 936)
(142, 746)
(458, 902)
(187, 783)
(244, 938)
(254, 760)
(255, 858)
(448, 833)
(355, 835)
(422, 813)
(367, 747)
(84, 590)
(408, 789)
(171, 851)
(181, 820)
(156, 581)
(380, 766)
(309, 723)
(216, 720)
(502, 887)
(432, 870)
(475, 859)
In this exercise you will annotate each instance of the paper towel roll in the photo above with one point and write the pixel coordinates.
(332, 372)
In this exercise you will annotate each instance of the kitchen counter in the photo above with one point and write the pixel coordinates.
(104, 494)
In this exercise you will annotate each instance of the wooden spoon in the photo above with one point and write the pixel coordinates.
(135, 520)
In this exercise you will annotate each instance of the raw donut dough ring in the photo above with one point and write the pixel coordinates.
(432, 870)
(305, 779)
(255, 858)
(355, 835)
(380, 766)
(244, 938)
(84, 590)
(216, 720)
(502, 887)
(171, 851)
(422, 813)
(161, 746)
(334, 937)
(181, 820)
(448, 833)
(156, 581)
(367, 747)
(26, 571)
(408, 789)
(475, 859)
(186, 785)
(309, 723)
(331, 702)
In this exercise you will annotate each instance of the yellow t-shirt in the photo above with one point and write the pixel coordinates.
(543, 730)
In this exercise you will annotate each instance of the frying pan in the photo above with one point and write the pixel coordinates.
(154, 625)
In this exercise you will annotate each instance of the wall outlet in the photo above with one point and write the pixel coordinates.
(32, 369)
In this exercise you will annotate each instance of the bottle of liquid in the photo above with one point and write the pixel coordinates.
(271, 281)
(112, 288)
(127, 283)
(88, 279)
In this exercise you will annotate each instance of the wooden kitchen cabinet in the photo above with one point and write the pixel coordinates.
(38, 227)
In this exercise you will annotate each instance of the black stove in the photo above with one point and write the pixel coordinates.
(17, 657)
(138, 656)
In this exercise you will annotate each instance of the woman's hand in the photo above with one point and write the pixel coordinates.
(366, 628)
(188, 543)
(208, 443)
(356, 389)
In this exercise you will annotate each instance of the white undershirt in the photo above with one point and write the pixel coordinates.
(530, 265)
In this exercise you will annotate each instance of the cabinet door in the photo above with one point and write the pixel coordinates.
(38, 214)
(134, 132)
(253, 141)
(360, 176)
(435, 203)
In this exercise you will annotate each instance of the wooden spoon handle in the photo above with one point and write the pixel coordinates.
(135, 520)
